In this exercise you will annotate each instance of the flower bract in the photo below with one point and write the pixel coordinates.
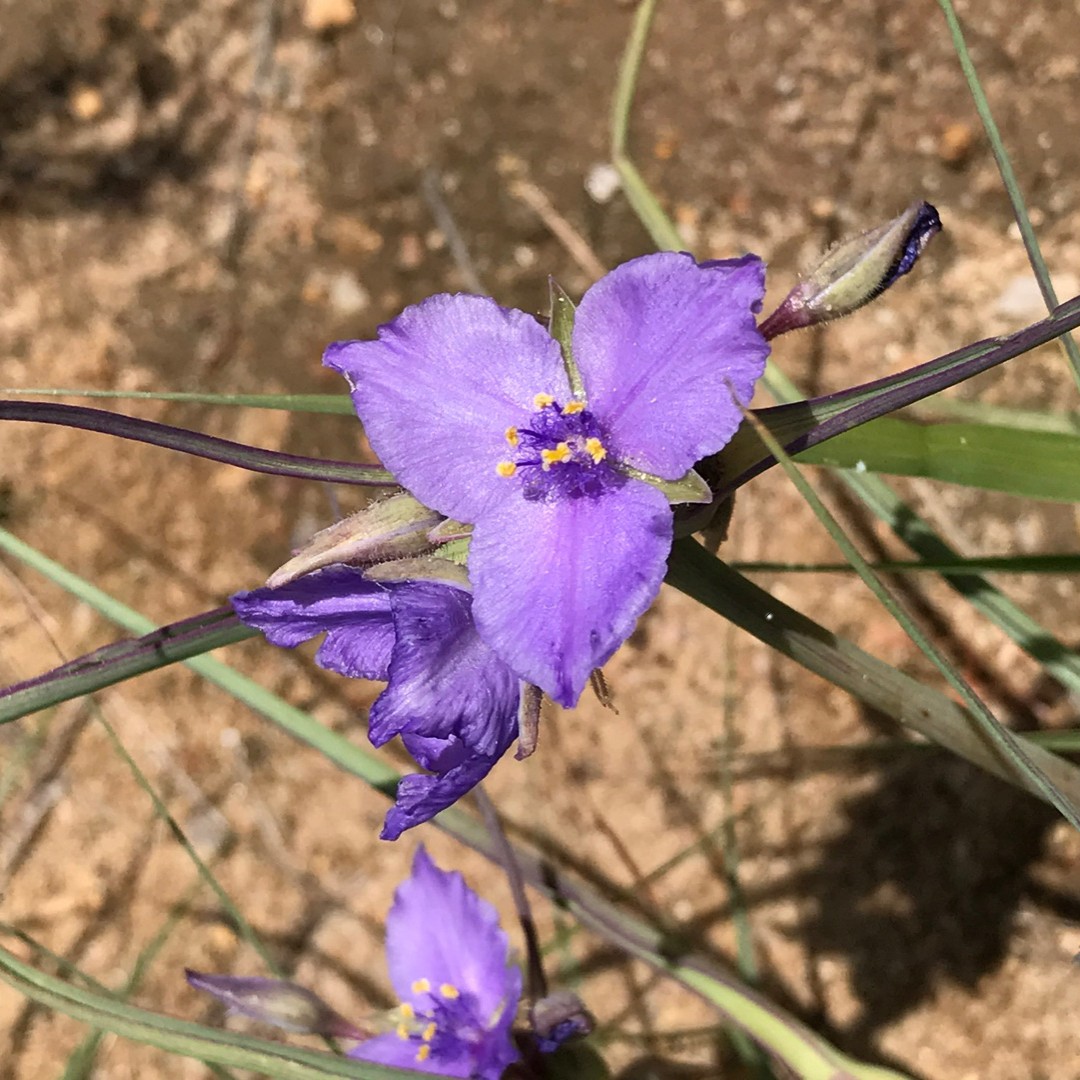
(472, 408)
(450, 698)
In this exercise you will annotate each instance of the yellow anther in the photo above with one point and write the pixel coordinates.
(449, 991)
(596, 450)
(553, 457)
(402, 1031)
(407, 1010)
(506, 468)
(572, 407)
(423, 1053)
(542, 401)
(429, 1032)
(512, 436)
(421, 986)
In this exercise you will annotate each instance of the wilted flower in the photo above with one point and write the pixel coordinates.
(448, 961)
(555, 460)
(855, 271)
(450, 698)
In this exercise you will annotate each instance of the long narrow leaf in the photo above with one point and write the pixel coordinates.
(1032, 464)
(193, 442)
(711, 582)
(1022, 769)
(326, 404)
(182, 1037)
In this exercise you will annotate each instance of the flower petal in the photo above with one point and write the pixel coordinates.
(419, 797)
(559, 585)
(354, 614)
(399, 1053)
(439, 930)
(661, 343)
(439, 388)
(444, 680)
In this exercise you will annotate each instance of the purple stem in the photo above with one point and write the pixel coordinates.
(193, 442)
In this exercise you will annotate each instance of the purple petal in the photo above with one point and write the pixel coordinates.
(661, 343)
(559, 585)
(353, 612)
(438, 390)
(419, 798)
(400, 1053)
(439, 930)
(444, 681)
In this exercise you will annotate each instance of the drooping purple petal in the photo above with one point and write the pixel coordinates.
(353, 612)
(440, 387)
(560, 584)
(662, 342)
(440, 931)
(389, 1049)
(444, 680)
(419, 797)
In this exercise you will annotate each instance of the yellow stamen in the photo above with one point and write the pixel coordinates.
(542, 401)
(596, 450)
(421, 986)
(553, 457)
(429, 1032)
(506, 468)
(572, 407)
(423, 1053)
(449, 991)
(512, 436)
(406, 1010)
(402, 1031)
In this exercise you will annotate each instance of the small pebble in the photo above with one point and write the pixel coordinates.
(956, 143)
(320, 15)
(602, 182)
(347, 296)
(85, 103)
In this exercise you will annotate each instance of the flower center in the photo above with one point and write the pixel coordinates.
(448, 1027)
(560, 454)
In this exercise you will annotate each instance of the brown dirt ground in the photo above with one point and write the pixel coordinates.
(189, 200)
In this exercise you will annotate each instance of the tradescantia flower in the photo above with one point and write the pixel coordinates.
(556, 460)
(448, 962)
(447, 957)
(450, 698)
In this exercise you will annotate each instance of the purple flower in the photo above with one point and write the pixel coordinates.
(450, 698)
(472, 408)
(448, 959)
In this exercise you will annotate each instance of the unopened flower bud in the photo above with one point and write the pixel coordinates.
(393, 528)
(559, 1017)
(275, 1001)
(855, 271)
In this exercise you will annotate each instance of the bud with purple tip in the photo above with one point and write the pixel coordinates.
(855, 271)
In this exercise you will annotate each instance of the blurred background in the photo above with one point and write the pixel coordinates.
(200, 195)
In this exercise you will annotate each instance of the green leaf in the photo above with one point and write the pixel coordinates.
(333, 404)
(1034, 464)
(181, 1037)
(711, 582)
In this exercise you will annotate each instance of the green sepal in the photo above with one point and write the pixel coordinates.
(690, 488)
(561, 328)
(424, 568)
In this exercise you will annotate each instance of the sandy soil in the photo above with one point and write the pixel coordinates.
(201, 195)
